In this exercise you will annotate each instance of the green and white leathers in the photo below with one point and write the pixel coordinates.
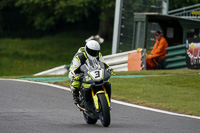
(89, 52)
(78, 60)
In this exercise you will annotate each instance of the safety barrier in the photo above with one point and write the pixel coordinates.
(127, 61)
(61, 70)
(119, 62)
(176, 57)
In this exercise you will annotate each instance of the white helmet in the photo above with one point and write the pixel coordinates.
(92, 49)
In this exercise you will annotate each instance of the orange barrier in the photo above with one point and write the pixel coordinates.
(134, 61)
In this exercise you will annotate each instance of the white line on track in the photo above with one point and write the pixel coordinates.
(114, 101)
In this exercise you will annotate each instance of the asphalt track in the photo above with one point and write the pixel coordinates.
(33, 108)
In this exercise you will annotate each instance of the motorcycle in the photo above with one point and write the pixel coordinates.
(93, 96)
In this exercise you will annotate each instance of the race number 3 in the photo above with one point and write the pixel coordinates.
(97, 74)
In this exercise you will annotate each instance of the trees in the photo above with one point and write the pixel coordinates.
(174, 4)
(4, 4)
(106, 18)
(44, 14)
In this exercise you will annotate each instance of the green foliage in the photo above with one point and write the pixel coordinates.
(46, 13)
(107, 9)
(5, 3)
(174, 4)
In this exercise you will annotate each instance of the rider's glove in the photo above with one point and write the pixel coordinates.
(110, 70)
(76, 77)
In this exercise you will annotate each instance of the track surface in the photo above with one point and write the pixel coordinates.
(33, 108)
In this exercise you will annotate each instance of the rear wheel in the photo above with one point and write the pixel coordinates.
(104, 115)
(89, 120)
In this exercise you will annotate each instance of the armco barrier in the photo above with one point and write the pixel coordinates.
(176, 57)
(61, 70)
(119, 62)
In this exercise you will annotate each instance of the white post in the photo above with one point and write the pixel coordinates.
(117, 27)
(165, 5)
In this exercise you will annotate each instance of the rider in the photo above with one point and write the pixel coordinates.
(90, 51)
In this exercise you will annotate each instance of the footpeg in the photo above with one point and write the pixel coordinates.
(82, 109)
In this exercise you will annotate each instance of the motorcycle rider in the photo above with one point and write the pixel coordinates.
(90, 51)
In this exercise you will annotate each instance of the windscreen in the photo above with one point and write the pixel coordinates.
(93, 64)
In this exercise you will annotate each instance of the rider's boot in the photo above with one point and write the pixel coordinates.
(76, 97)
(75, 94)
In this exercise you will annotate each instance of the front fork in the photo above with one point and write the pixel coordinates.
(95, 97)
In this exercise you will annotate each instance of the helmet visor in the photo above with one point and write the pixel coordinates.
(91, 52)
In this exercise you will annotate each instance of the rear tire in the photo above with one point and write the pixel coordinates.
(104, 115)
(89, 120)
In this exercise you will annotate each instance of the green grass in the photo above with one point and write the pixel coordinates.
(174, 90)
(173, 93)
(26, 56)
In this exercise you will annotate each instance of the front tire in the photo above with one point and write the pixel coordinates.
(104, 115)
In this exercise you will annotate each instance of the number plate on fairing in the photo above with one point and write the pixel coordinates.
(97, 74)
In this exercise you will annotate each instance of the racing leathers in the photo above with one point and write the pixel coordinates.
(74, 73)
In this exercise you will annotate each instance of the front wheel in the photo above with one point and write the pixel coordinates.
(104, 115)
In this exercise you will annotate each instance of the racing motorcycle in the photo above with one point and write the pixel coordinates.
(93, 96)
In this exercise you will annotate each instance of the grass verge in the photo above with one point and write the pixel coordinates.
(26, 56)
